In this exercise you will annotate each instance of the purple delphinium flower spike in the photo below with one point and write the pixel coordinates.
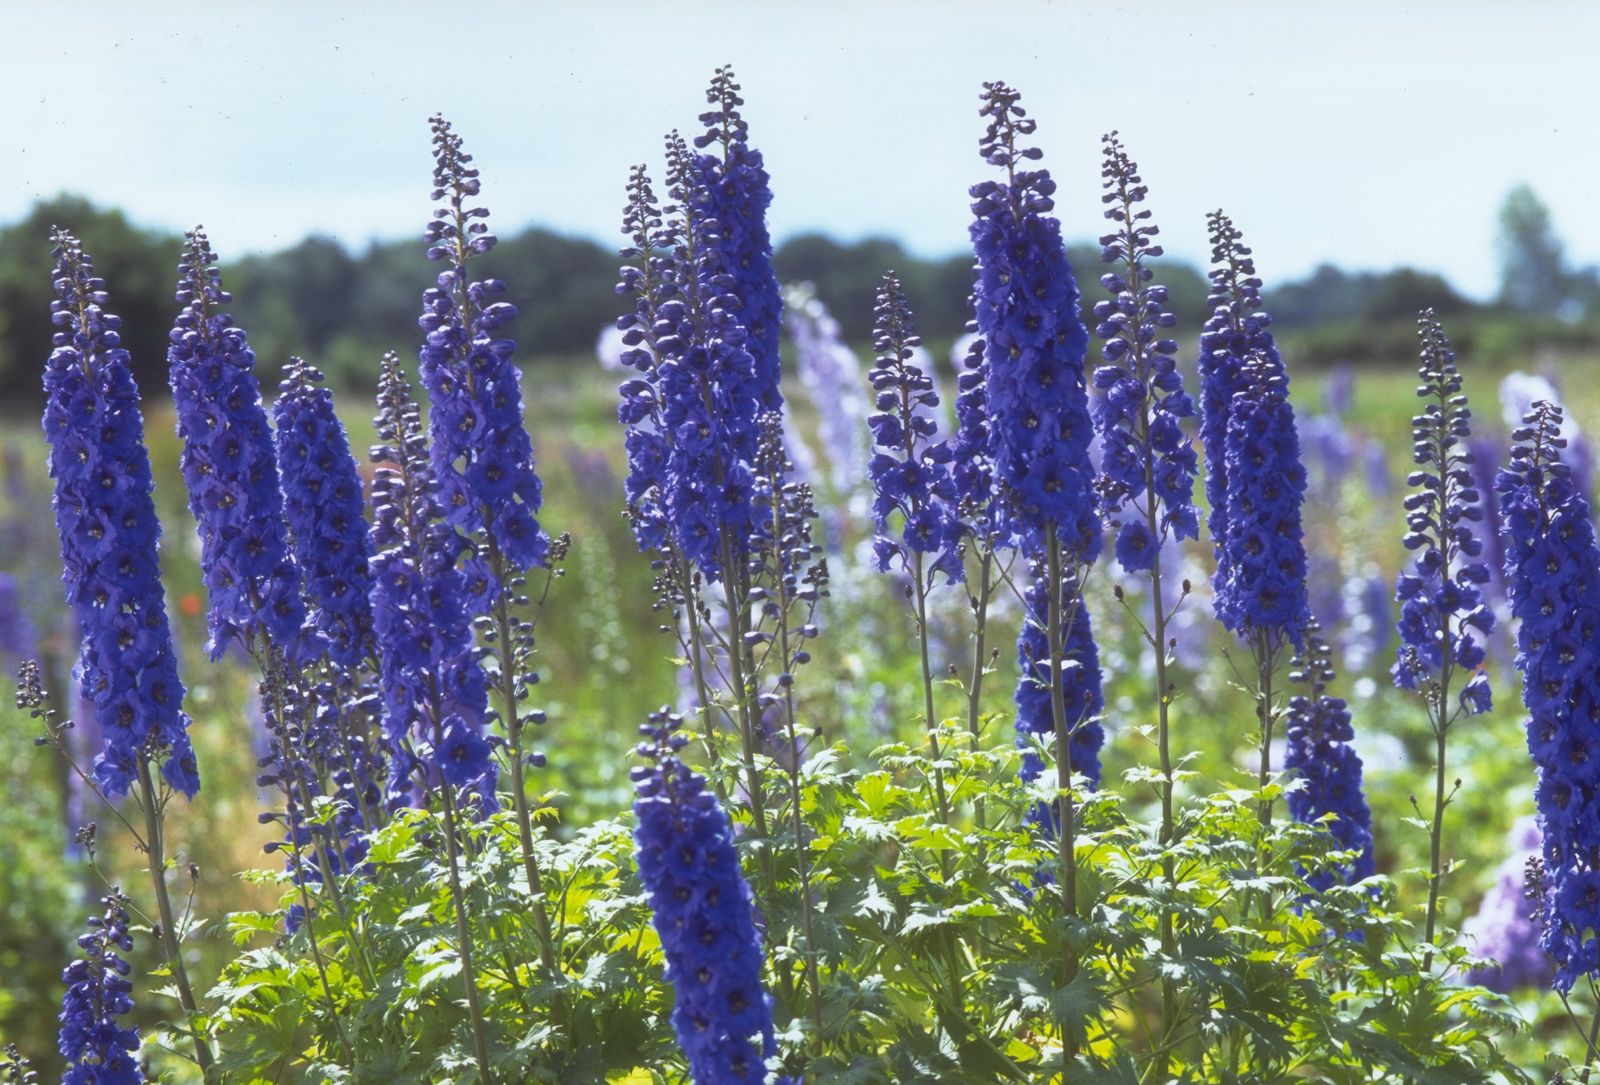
(1080, 684)
(735, 193)
(1320, 754)
(483, 461)
(1264, 548)
(1235, 332)
(434, 692)
(325, 511)
(1026, 302)
(1148, 464)
(98, 1048)
(230, 467)
(1553, 577)
(693, 433)
(1443, 618)
(703, 912)
(110, 535)
(910, 469)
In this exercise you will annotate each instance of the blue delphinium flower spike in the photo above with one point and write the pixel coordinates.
(1265, 594)
(1443, 617)
(692, 415)
(704, 914)
(230, 466)
(910, 469)
(1321, 755)
(482, 456)
(1146, 458)
(1236, 331)
(1026, 301)
(435, 697)
(98, 1047)
(736, 194)
(1553, 579)
(110, 535)
(325, 511)
(1080, 683)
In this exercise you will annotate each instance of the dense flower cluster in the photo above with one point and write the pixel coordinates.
(325, 510)
(1235, 332)
(1146, 459)
(1553, 577)
(98, 1047)
(1080, 681)
(703, 386)
(482, 456)
(1441, 601)
(910, 469)
(110, 535)
(1321, 756)
(703, 913)
(435, 698)
(734, 192)
(229, 466)
(1026, 302)
(1265, 591)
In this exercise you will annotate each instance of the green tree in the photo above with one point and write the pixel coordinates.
(1533, 275)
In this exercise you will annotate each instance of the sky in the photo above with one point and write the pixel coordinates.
(1365, 134)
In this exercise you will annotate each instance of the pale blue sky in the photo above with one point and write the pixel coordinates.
(1369, 134)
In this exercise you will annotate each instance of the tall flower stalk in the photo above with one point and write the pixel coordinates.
(911, 480)
(435, 696)
(1148, 464)
(110, 536)
(483, 464)
(1255, 481)
(1026, 303)
(1320, 753)
(1443, 616)
(1553, 580)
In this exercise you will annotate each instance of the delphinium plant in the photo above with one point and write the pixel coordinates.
(435, 692)
(100, 1048)
(1148, 464)
(704, 915)
(109, 532)
(1039, 431)
(1320, 754)
(1553, 577)
(483, 465)
(229, 464)
(1443, 617)
(1255, 481)
(918, 530)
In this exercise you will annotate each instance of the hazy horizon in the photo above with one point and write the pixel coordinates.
(1392, 143)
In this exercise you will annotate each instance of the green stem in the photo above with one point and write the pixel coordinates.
(155, 843)
(519, 798)
(980, 612)
(1066, 834)
(469, 975)
(920, 593)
